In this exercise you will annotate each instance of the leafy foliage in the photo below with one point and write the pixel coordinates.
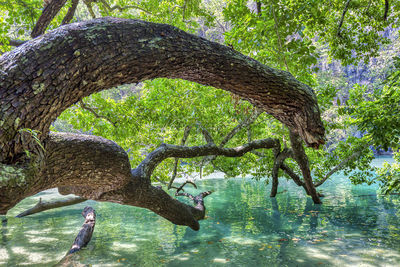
(309, 38)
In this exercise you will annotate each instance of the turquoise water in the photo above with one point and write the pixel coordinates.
(244, 227)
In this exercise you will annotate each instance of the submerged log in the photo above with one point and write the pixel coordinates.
(42, 206)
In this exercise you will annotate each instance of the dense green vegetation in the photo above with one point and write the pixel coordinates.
(326, 44)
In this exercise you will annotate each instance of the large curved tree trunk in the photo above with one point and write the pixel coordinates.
(46, 75)
(43, 77)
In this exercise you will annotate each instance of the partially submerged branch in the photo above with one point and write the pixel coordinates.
(301, 158)
(42, 206)
(85, 234)
(198, 200)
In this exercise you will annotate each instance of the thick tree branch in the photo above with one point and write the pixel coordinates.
(42, 206)
(48, 14)
(346, 7)
(79, 59)
(71, 12)
(166, 151)
(293, 175)
(301, 158)
(102, 173)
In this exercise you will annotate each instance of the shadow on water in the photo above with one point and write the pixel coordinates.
(244, 227)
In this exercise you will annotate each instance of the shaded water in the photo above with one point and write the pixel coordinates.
(353, 227)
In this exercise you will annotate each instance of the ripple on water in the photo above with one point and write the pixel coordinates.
(244, 227)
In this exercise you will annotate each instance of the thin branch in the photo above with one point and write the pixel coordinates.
(385, 15)
(129, 7)
(259, 8)
(84, 106)
(167, 151)
(70, 13)
(183, 141)
(48, 14)
(206, 134)
(342, 164)
(346, 7)
(183, 185)
(279, 38)
(245, 123)
(164, 182)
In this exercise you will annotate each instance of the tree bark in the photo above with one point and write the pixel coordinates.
(42, 206)
(302, 159)
(85, 234)
(96, 168)
(280, 157)
(48, 14)
(44, 76)
(82, 239)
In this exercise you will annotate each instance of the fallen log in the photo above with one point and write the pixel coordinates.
(42, 206)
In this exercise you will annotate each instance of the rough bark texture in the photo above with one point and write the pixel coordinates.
(103, 173)
(44, 76)
(301, 158)
(48, 14)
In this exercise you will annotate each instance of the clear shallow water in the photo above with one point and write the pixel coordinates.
(353, 227)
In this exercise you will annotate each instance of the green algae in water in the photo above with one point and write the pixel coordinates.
(244, 227)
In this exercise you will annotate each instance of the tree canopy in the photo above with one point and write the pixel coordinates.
(304, 42)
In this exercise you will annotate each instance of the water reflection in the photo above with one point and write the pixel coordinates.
(245, 227)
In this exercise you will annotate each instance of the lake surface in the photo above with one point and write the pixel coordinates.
(244, 227)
